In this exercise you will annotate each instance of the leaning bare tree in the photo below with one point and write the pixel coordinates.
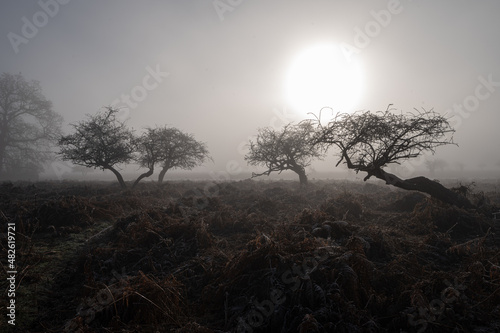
(290, 148)
(369, 142)
(171, 149)
(28, 125)
(101, 142)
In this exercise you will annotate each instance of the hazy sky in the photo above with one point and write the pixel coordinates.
(220, 69)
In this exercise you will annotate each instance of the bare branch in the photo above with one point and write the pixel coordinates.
(370, 141)
(170, 148)
(292, 148)
(102, 142)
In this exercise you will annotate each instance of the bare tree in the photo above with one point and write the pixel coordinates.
(28, 125)
(171, 149)
(290, 148)
(101, 142)
(369, 142)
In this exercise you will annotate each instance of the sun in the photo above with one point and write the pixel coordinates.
(321, 76)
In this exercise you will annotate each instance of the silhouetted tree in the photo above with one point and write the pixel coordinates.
(171, 149)
(101, 142)
(370, 141)
(290, 148)
(28, 125)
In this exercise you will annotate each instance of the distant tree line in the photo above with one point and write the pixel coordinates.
(366, 141)
(29, 128)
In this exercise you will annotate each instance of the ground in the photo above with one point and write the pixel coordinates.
(250, 256)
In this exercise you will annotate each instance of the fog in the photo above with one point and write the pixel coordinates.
(218, 69)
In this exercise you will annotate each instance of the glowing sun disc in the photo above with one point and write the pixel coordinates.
(322, 77)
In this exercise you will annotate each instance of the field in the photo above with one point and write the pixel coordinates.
(249, 256)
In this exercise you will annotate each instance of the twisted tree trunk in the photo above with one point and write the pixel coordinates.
(421, 184)
(425, 185)
(118, 176)
(144, 175)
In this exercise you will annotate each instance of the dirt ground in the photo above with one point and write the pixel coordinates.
(250, 256)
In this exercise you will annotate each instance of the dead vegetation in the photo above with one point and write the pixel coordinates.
(252, 257)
